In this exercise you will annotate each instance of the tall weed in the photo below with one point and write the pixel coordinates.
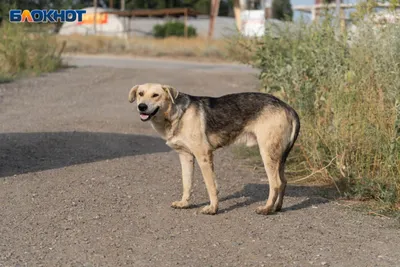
(347, 93)
(22, 51)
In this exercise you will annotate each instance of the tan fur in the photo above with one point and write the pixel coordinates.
(272, 131)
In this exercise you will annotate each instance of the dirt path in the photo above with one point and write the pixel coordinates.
(83, 182)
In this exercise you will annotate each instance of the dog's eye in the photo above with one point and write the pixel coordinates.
(141, 93)
(155, 95)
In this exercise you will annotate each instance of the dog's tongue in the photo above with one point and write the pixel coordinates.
(144, 116)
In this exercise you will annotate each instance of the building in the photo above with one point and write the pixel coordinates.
(255, 4)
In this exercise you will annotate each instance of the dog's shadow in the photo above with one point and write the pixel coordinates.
(253, 193)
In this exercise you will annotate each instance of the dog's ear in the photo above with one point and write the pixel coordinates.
(132, 94)
(171, 91)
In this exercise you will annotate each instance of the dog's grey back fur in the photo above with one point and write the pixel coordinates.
(228, 114)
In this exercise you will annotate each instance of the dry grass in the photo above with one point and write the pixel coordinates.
(23, 53)
(173, 47)
(347, 97)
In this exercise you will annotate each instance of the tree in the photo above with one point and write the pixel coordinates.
(282, 10)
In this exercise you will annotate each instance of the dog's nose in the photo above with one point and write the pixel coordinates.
(142, 107)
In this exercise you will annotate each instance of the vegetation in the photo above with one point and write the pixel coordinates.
(173, 28)
(24, 53)
(176, 47)
(282, 10)
(346, 89)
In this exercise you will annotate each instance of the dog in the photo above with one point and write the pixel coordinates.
(195, 126)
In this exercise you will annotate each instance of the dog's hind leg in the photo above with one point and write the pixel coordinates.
(279, 201)
(205, 161)
(187, 165)
(271, 153)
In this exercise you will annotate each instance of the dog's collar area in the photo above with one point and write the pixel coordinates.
(146, 117)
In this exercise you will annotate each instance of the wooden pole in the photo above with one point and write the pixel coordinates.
(211, 25)
(317, 10)
(342, 20)
(213, 14)
(186, 26)
(236, 10)
(338, 9)
(124, 19)
(111, 3)
(95, 16)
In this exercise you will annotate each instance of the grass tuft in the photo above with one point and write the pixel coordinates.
(22, 52)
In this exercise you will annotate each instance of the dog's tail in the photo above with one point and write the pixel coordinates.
(293, 136)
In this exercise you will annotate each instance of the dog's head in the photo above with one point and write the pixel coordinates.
(152, 99)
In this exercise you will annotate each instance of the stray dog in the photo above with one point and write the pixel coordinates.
(195, 126)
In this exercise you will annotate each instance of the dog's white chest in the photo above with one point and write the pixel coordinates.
(177, 144)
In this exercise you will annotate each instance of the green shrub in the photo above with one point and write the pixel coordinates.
(348, 98)
(22, 51)
(173, 28)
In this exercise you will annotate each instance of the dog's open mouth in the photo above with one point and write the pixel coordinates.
(146, 117)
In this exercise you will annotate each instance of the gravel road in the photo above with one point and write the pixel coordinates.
(83, 182)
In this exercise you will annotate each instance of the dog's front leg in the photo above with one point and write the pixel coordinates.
(187, 164)
(205, 161)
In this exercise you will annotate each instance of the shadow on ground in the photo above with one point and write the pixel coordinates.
(28, 152)
(253, 193)
(259, 192)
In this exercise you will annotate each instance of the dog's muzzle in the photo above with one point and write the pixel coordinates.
(147, 116)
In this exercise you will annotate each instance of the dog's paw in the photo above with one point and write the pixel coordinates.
(180, 204)
(262, 210)
(210, 210)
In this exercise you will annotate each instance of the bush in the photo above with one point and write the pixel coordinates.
(173, 28)
(25, 52)
(348, 99)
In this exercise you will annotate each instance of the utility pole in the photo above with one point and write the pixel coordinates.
(236, 10)
(338, 9)
(316, 11)
(213, 13)
(124, 17)
(95, 16)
